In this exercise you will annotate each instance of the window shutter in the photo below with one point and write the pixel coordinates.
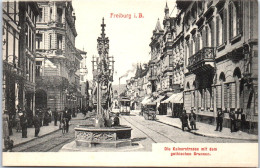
(212, 33)
(218, 96)
(225, 96)
(232, 95)
(217, 31)
(224, 26)
(199, 98)
(208, 98)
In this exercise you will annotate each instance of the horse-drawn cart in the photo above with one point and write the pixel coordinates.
(149, 112)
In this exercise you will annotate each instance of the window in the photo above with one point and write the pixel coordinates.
(40, 15)
(12, 10)
(50, 14)
(59, 15)
(200, 41)
(220, 26)
(232, 20)
(38, 41)
(235, 18)
(26, 34)
(38, 71)
(30, 40)
(200, 7)
(59, 41)
(209, 35)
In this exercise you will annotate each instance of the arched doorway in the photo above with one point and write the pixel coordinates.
(40, 99)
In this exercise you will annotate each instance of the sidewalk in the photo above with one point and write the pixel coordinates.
(45, 130)
(207, 130)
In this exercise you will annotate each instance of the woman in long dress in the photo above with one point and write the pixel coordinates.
(18, 122)
(5, 118)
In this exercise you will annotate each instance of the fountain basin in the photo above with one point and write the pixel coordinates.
(107, 137)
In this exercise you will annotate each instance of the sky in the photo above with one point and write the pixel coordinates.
(129, 37)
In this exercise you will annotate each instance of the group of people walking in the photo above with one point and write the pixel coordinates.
(184, 120)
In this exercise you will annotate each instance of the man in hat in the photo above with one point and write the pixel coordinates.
(24, 124)
(192, 118)
(55, 116)
(232, 121)
(37, 125)
(184, 120)
(219, 120)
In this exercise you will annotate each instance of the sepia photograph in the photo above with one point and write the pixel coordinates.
(88, 83)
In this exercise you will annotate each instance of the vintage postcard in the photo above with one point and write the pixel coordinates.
(130, 83)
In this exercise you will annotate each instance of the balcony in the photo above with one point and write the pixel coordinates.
(202, 61)
(52, 81)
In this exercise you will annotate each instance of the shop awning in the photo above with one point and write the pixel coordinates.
(158, 100)
(175, 98)
(146, 100)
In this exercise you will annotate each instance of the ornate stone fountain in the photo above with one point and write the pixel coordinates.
(101, 133)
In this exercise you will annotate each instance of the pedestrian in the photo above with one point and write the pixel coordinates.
(184, 120)
(5, 119)
(243, 122)
(116, 120)
(192, 118)
(55, 116)
(159, 109)
(232, 121)
(66, 117)
(8, 144)
(41, 117)
(37, 125)
(10, 124)
(73, 113)
(220, 116)
(24, 124)
(17, 121)
(61, 119)
(49, 115)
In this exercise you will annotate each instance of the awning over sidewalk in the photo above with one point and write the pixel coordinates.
(146, 100)
(158, 100)
(175, 98)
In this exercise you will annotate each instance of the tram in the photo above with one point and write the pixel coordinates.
(124, 103)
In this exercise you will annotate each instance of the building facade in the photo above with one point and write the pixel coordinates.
(84, 83)
(155, 62)
(221, 55)
(57, 61)
(19, 22)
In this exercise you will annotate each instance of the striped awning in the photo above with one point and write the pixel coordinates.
(175, 98)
